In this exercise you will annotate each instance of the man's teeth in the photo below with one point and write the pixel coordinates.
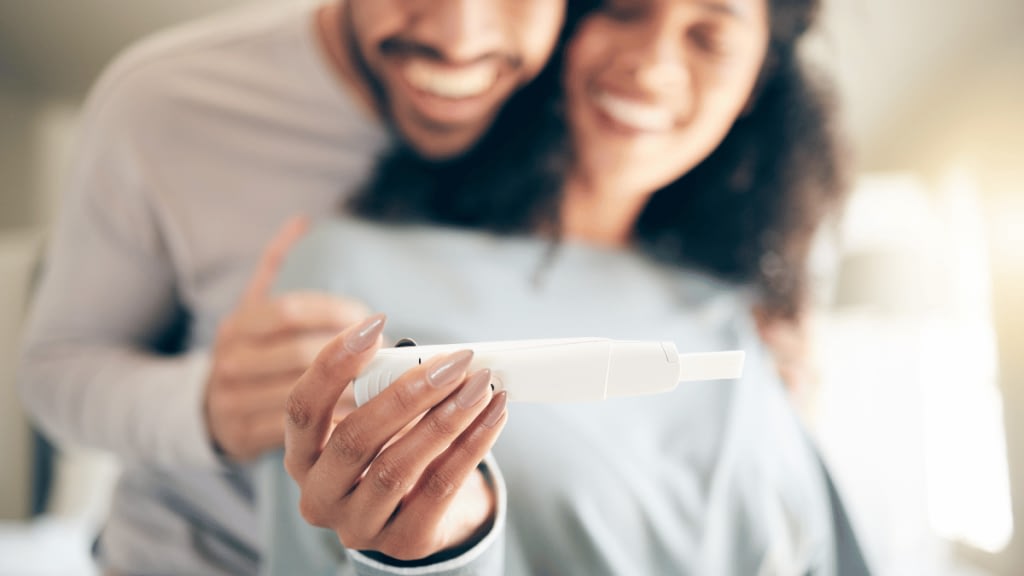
(465, 82)
(633, 114)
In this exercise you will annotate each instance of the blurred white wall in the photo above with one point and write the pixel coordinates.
(16, 177)
(17, 214)
(17, 250)
(918, 76)
(56, 47)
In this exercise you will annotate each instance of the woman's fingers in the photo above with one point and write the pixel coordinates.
(310, 406)
(399, 466)
(356, 440)
(430, 502)
(391, 475)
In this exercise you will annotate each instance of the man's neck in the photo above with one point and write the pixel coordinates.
(335, 37)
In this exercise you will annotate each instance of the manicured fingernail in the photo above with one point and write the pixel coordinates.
(496, 409)
(474, 390)
(365, 334)
(450, 368)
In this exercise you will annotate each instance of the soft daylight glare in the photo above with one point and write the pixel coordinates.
(910, 407)
(968, 477)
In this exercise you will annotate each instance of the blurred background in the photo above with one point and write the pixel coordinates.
(919, 322)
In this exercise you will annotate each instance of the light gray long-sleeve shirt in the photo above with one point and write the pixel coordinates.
(195, 147)
(713, 478)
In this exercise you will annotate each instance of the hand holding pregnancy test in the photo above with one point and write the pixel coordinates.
(563, 370)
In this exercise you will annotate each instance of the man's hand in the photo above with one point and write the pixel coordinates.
(261, 350)
(399, 474)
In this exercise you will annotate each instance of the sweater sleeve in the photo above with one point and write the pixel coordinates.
(88, 374)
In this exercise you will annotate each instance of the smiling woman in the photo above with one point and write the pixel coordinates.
(655, 87)
(672, 163)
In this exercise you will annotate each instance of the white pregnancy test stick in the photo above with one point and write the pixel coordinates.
(563, 370)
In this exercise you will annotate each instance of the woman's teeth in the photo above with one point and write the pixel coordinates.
(464, 82)
(634, 114)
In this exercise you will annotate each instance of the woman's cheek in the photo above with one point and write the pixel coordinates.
(587, 46)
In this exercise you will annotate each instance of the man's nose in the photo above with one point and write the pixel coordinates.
(463, 31)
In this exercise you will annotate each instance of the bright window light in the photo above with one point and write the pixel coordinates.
(967, 471)
(909, 412)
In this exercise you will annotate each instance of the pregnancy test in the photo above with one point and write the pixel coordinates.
(563, 370)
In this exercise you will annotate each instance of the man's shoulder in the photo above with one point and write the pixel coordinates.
(214, 49)
(225, 33)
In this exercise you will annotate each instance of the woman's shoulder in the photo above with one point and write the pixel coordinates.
(771, 471)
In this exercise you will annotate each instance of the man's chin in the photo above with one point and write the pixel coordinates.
(436, 143)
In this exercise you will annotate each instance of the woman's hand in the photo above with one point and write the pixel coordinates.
(397, 475)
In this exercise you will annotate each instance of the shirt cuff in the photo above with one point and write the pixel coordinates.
(487, 557)
(188, 442)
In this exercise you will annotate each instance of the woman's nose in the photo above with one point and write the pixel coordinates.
(656, 59)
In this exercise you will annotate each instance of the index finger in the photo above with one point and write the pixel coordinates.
(262, 280)
(310, 406)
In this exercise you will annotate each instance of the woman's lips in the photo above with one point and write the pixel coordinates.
(632, 113)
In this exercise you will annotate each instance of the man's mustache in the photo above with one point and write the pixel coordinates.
(406, 48)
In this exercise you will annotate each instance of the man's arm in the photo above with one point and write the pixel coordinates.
(107, 291)
(88, 375)
(110, 288)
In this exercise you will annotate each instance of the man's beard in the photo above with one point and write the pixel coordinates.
(374, 83)
(397, 47)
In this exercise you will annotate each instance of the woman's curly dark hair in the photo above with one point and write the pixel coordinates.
(746, 214)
